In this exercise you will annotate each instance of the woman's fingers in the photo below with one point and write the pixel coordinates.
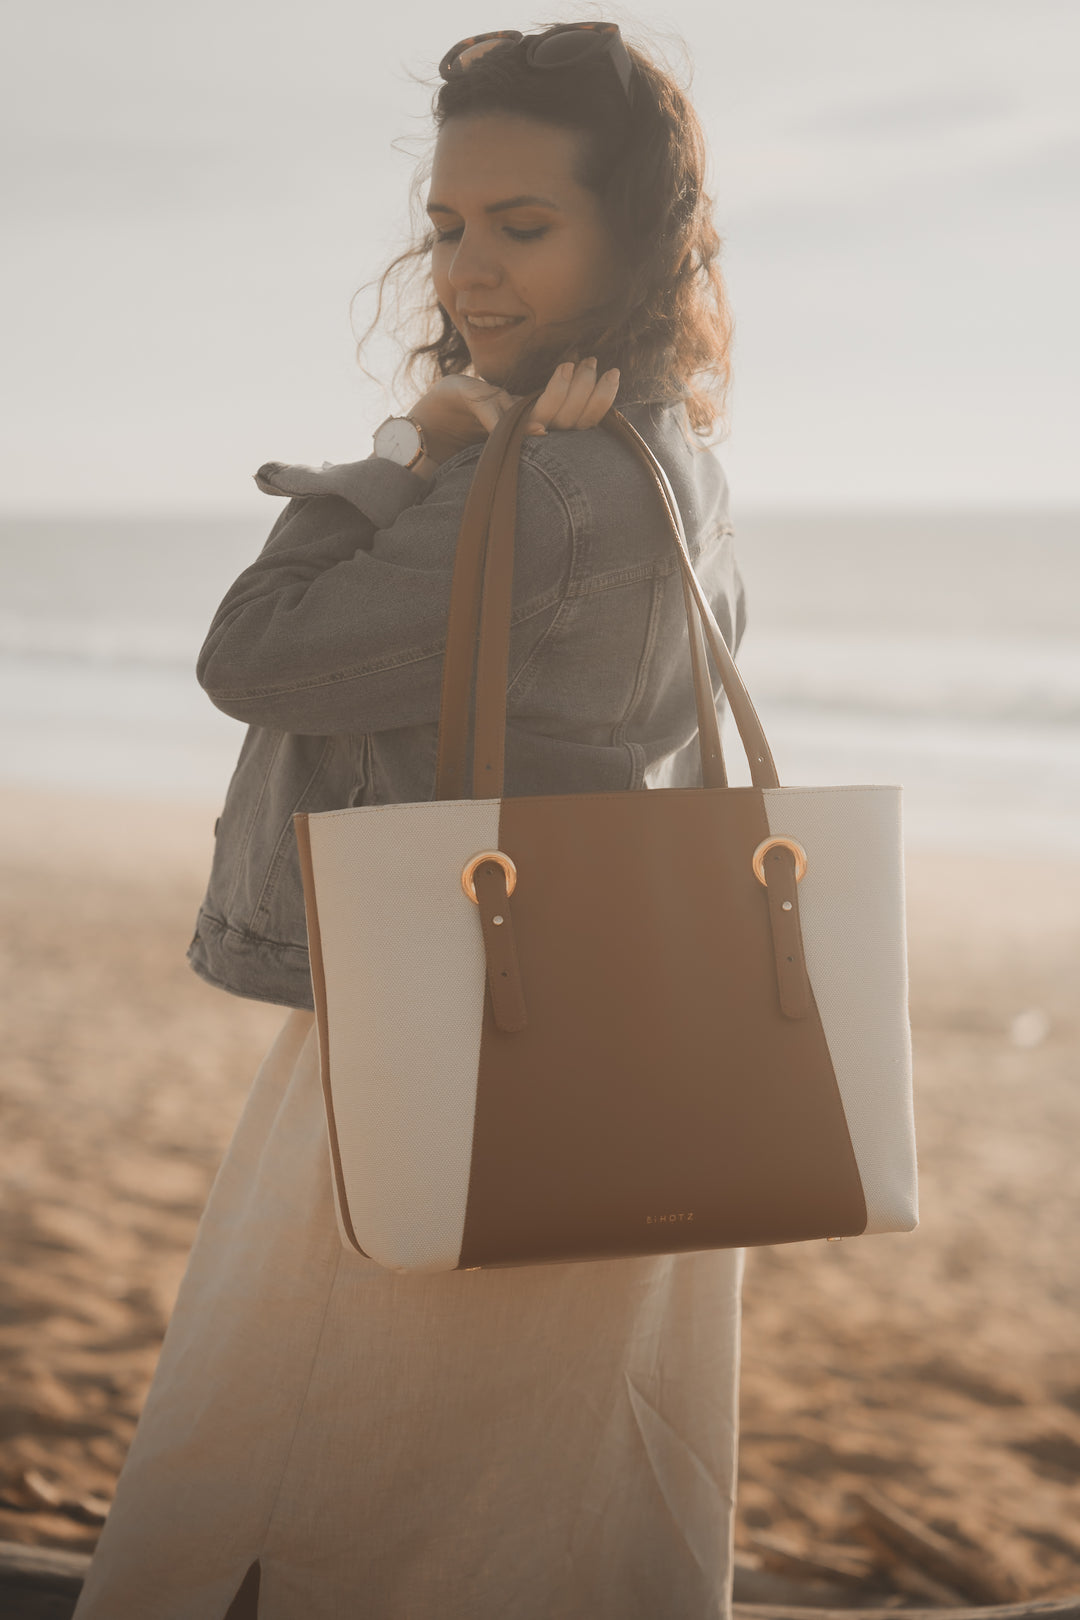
(601, 400)
(553, 396)
(575, 397)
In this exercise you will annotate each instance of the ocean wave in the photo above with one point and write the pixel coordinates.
(969, 678)
(75, 642)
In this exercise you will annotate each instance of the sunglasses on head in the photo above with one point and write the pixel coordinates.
(568, 46)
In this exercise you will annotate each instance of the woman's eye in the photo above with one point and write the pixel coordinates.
(518, 236)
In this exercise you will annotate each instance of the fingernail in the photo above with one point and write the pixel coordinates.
(538, 428)
(566, 369)
(591, 361)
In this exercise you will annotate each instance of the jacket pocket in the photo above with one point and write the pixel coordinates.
(312, 778)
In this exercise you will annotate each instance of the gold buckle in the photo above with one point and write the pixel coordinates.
(478, 860)
(784, 843)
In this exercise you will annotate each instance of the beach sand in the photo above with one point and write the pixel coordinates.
(939, 1368)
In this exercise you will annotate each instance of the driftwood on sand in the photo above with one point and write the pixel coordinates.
(43, 1583)
(890, 1554)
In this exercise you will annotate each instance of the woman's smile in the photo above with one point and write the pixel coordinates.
(483, 328)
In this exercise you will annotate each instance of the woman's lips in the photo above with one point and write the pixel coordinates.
(473, 333)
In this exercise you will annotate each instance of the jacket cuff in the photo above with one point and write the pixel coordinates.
(379, 488)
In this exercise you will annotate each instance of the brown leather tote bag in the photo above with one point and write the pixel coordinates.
(582, 1026)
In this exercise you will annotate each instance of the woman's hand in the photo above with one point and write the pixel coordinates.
(459, 411)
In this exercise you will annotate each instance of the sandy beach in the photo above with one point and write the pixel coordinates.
(942, 1369)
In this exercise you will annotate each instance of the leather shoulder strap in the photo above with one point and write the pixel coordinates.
(486, 545)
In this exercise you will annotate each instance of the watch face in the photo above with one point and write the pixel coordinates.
(398, 440)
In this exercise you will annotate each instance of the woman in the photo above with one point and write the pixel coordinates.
(324, 1438)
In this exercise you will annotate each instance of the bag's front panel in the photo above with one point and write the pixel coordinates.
(851, 904)
(646, 955)
(404, 974)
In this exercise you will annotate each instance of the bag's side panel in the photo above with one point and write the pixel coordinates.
(404, 971)
(851, 903)
(301, 828)
(658, 1098)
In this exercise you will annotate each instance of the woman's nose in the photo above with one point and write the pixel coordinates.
(474, 266)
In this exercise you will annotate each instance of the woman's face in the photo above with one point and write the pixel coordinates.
(518, 236)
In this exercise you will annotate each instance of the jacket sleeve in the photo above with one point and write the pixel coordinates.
(340, 623)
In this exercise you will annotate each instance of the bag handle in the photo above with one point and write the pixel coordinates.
(487, 540)
(462, 622)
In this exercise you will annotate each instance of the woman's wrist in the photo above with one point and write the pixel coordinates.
(425, 468)
(439, 442)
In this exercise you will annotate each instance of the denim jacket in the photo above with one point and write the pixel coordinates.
(330, 646)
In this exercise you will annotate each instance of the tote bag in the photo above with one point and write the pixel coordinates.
(581, 1026)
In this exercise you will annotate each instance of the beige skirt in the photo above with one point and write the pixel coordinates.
(326, 1440)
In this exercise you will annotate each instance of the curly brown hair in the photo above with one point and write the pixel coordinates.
(667, 325)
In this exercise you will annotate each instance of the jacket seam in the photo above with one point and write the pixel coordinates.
(571, 499)
(248, 935)
(253, 819)
(562, 602)
(618, 731)
(614, 578)
(378, 666)
(277, 860)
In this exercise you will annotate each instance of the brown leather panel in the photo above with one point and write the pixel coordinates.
(318, 987)
(503, 972)
(659, 1099)
(245, 1605)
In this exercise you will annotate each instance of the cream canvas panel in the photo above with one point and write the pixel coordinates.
(851, 905)
(403, 958)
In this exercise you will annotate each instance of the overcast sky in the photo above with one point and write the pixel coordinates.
(198, 190)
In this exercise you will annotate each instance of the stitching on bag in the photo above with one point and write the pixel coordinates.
(840, 787)
(615, 793)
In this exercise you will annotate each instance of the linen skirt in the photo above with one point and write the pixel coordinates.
(327, 1440)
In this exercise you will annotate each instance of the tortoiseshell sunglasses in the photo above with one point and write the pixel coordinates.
(569, 46)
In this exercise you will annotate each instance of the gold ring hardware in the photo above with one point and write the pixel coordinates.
(784, 843)
(478, 860)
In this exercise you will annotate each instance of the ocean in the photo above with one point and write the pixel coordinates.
(936, 649)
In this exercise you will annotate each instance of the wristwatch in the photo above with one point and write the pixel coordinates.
(401, 439)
